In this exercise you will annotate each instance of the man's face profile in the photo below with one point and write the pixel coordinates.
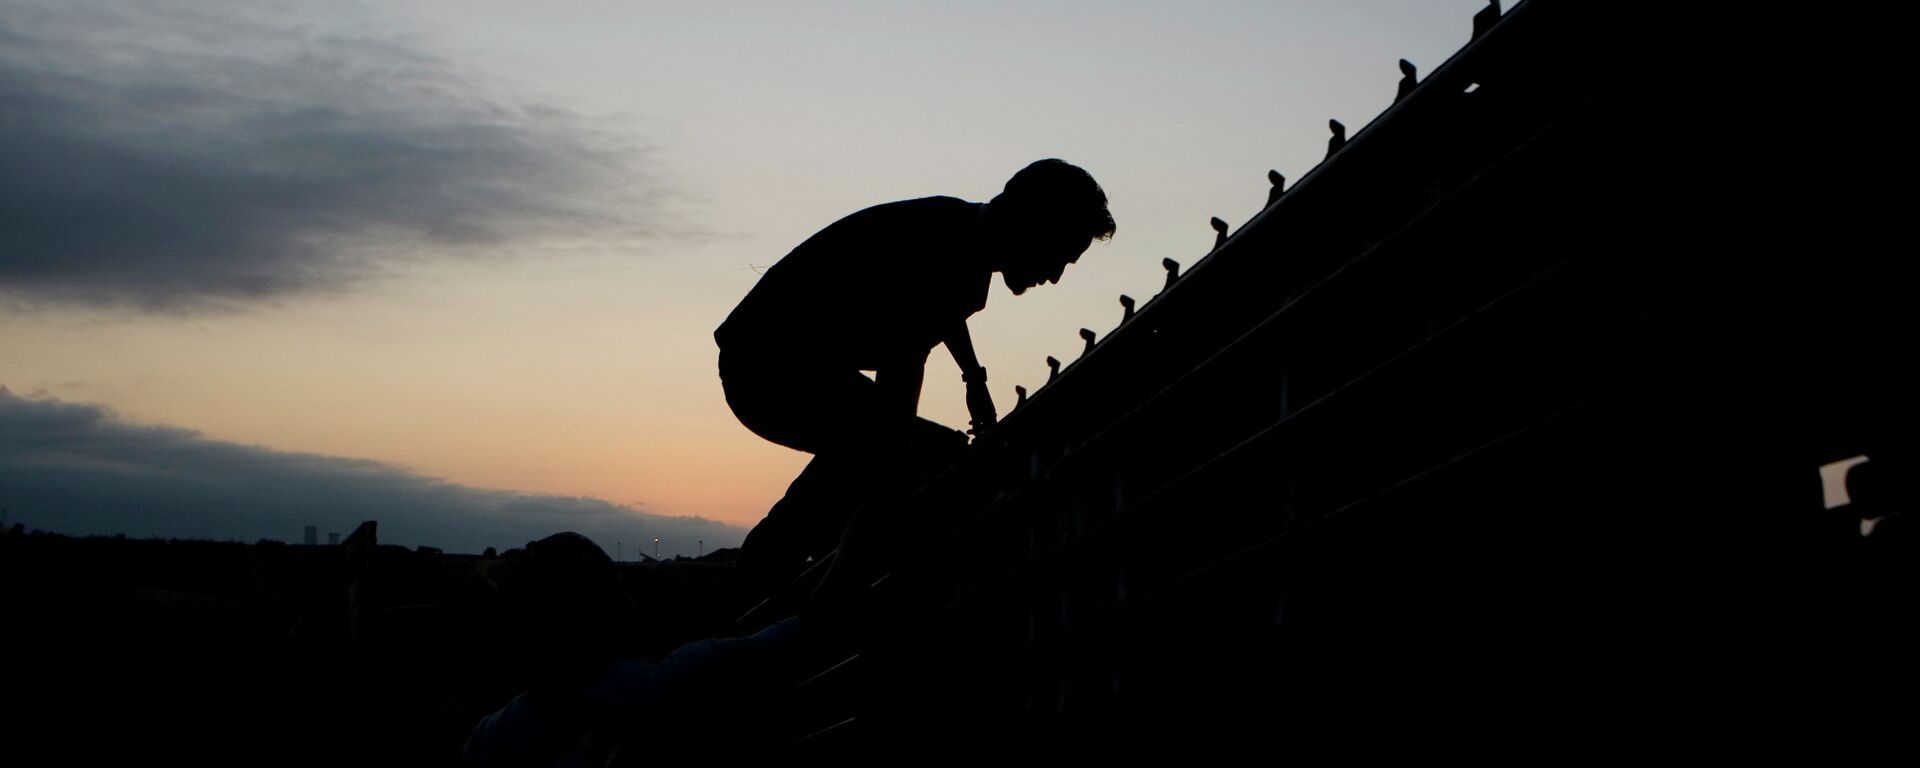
(1043, 261)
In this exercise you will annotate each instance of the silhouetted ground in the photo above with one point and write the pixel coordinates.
(220, 652)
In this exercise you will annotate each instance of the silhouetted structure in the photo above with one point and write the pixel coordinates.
(1499, 431)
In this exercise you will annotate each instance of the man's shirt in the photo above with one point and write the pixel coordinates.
(880, 287)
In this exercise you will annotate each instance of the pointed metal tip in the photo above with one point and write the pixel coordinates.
(1486, 18)
(1410, 79)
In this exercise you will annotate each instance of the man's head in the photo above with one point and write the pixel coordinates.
(1045, 218)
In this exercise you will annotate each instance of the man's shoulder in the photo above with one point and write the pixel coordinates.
(939, 208)
(880, 232)
(937, 202)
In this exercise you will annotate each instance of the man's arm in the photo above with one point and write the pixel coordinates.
(959, 341)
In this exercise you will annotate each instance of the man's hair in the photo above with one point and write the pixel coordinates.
(1055, 187)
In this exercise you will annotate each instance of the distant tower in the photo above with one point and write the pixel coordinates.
(313, 535)
(333, 539)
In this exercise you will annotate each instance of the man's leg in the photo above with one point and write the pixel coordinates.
(803, 525)
(825, 412)
(860, 447)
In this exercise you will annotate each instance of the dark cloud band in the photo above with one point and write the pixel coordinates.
(180, 160)
(75, 468)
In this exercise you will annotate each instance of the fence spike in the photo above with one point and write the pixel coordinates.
(1486, 18)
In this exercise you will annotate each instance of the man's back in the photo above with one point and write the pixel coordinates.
(878, 286)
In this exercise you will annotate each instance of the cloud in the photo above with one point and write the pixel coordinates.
(76, 468)
(181, 159)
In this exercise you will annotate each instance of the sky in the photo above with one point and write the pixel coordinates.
(455, 266)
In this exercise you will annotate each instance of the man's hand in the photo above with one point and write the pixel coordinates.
(979, 403)
(980, 407)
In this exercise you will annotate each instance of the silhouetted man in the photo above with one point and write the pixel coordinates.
(877, 291)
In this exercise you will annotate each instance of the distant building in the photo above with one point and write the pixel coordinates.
(333, 539)
(313, 535)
